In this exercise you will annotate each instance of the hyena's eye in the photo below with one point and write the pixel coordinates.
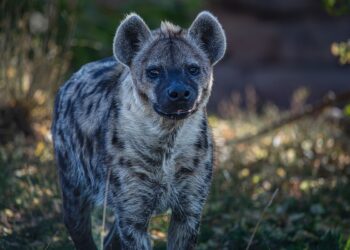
(193, 70)
(153, 73)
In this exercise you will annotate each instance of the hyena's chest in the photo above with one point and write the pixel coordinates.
(167, 191)
(156, 181)
(155, 166)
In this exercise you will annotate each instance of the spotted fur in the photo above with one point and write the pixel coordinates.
(105, 124)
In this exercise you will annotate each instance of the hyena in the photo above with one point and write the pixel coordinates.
(132, 131)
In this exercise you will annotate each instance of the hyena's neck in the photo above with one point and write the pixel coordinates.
(141, 124)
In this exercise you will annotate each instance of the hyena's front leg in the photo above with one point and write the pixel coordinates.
(134, 210)
(183, 230)
(186, 213)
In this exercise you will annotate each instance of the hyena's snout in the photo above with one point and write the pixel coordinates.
(179, 94)
(177, 101)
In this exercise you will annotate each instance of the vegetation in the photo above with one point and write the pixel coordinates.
(342, 51)
(307, 162)
(337, 7)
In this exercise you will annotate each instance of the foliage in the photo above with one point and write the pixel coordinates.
(347, 110)
(34, 40)
(42, 40)
(337, 7)
(342, 51)
(97, 23)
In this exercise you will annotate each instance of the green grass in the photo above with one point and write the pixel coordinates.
(308, 162)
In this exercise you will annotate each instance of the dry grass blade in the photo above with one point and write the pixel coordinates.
(105, 209)
(260, 218)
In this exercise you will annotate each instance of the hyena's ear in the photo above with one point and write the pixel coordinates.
(130, 35)
(208, 33)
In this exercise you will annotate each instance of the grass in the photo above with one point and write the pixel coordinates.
(308, 162)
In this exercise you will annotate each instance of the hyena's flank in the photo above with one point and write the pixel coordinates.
(139, 118)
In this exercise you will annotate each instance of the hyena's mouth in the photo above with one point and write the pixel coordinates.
(178, 115)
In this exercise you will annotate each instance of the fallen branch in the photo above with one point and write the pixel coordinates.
(329, 100)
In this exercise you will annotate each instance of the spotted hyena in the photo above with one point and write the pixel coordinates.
(132, 130)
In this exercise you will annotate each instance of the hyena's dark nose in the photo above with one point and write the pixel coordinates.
(179, 93)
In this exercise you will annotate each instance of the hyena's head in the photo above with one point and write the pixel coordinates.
(171, 67)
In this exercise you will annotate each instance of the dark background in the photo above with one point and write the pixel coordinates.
(273, 46)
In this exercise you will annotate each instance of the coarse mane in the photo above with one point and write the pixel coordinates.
(168, 30)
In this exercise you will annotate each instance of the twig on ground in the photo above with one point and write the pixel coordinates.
(308, 110)
(260, 218)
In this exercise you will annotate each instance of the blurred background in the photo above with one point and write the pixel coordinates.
(279, 110)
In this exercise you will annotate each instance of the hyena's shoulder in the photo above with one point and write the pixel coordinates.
(86, 98)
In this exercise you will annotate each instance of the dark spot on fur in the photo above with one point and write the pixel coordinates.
(143, 96)
(209, 169)
(98, 87)
(202, 141)
(115, 180)
(67, 184)
(109, 158)
(76, 192)
(128, 236)
(78, 87)
(61, 160)
(72, 112)
(61, 135)
(205, 143)
(183, 171)
(82, 209)
(120, 209)
(89, 145)
(115, 140)
(121, 161)
(141, 226)
(101, 71)
(147, 158)
(192, 241)
(98, 104)
(178, 215)
(79, 134)
(204, 132)
(198, 144)
(88, 110)
(68, 84)
(68, 108)
(106, 94)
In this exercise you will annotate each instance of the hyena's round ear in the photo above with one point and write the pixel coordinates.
(208, 33)
(130, 35)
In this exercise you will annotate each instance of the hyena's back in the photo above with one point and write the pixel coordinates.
(83, 107)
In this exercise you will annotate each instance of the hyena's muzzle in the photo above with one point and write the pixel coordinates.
(176, 98)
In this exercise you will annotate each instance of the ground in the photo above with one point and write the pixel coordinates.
(291, 187)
